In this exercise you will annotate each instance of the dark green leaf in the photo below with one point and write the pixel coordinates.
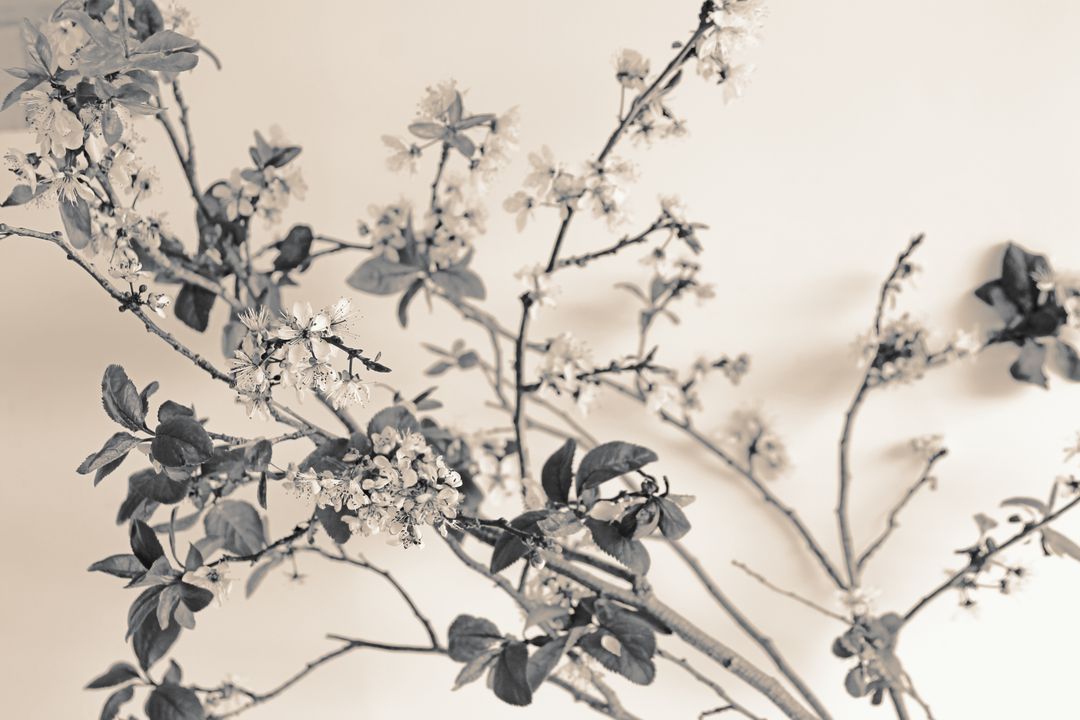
(165, 41)
(120, 672)
(293, 251)
(173, 62)
(125, 566)
(471, 636)
(151, 643)
(673, 522)
(475, 668)
(1068, 361)
(543, 661)
(509, 674)
(115, 701)
(181, 441)
(105, 470)
(22, 194)
(174, 674)
(557, 474)
(76, 217)
(611, 460)
(144, 543)
(193, 305)
(1017, 282)
(629, 552)
(172, 702)
(238, 524)
(634, 644)
(169, 410)
(462, 144)
(115, 448)
(332, 523)
(121, 400)
(1029, 365)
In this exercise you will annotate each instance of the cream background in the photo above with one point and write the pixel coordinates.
(865, 123)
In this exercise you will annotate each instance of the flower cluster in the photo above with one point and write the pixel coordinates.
(735, 26)
(565, 361)
(550, 184)
(485, 140)
(295, 350)
(264, 189)
(899, 353)
(539, 286)
(400, 486)
(754, 439)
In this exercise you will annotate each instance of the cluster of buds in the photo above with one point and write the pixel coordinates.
(401, 485)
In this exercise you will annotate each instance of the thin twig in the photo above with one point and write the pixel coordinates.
(790, 594)
(707, 681)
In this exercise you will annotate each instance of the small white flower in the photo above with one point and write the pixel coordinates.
(631, 69)
(158, 302)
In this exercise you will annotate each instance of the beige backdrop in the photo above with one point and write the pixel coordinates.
(865, 123)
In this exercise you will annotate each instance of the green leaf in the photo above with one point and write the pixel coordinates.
(557, 475)
(169, 410)
(144, 543)
(510, 548)
(172, 702)
(76, 217)
(238, 524)
(257, 456)
(1029, 365)
(471, 636)
(22, 194)
(193, 305)
(381, 276)
(151, 643)
(543, 661)
(118, 673)
(194, 597)
(165, 41)
(115, 701)
(673, 522)
(173, 62)
(1060, 545)
(181, 441)
(427, 130)
(462, 144)
(634, 644)
(509, 676)
(857, 683)
(173, 675)
(1068, 361)
(294, 250)
(611, 460)
(475, 668)
(333, 524)
(29, 83)
(460, 282)
(125, 566)
(406, 298)
(629, 552)
(115, 448)
(106, 470)
(1017, 267)
(121, 400)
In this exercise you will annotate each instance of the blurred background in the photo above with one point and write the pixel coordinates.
(864, 124)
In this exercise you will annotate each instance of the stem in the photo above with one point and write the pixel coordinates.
(982, 558)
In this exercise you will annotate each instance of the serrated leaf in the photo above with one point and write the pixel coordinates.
(471, 636)
(116, 448)
(509, 678)
(181, 441)
(611, 460)
(557, 475)
(627, 551)
(238, 524)
(1067, 360)
(165, 41)
(121, 400)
